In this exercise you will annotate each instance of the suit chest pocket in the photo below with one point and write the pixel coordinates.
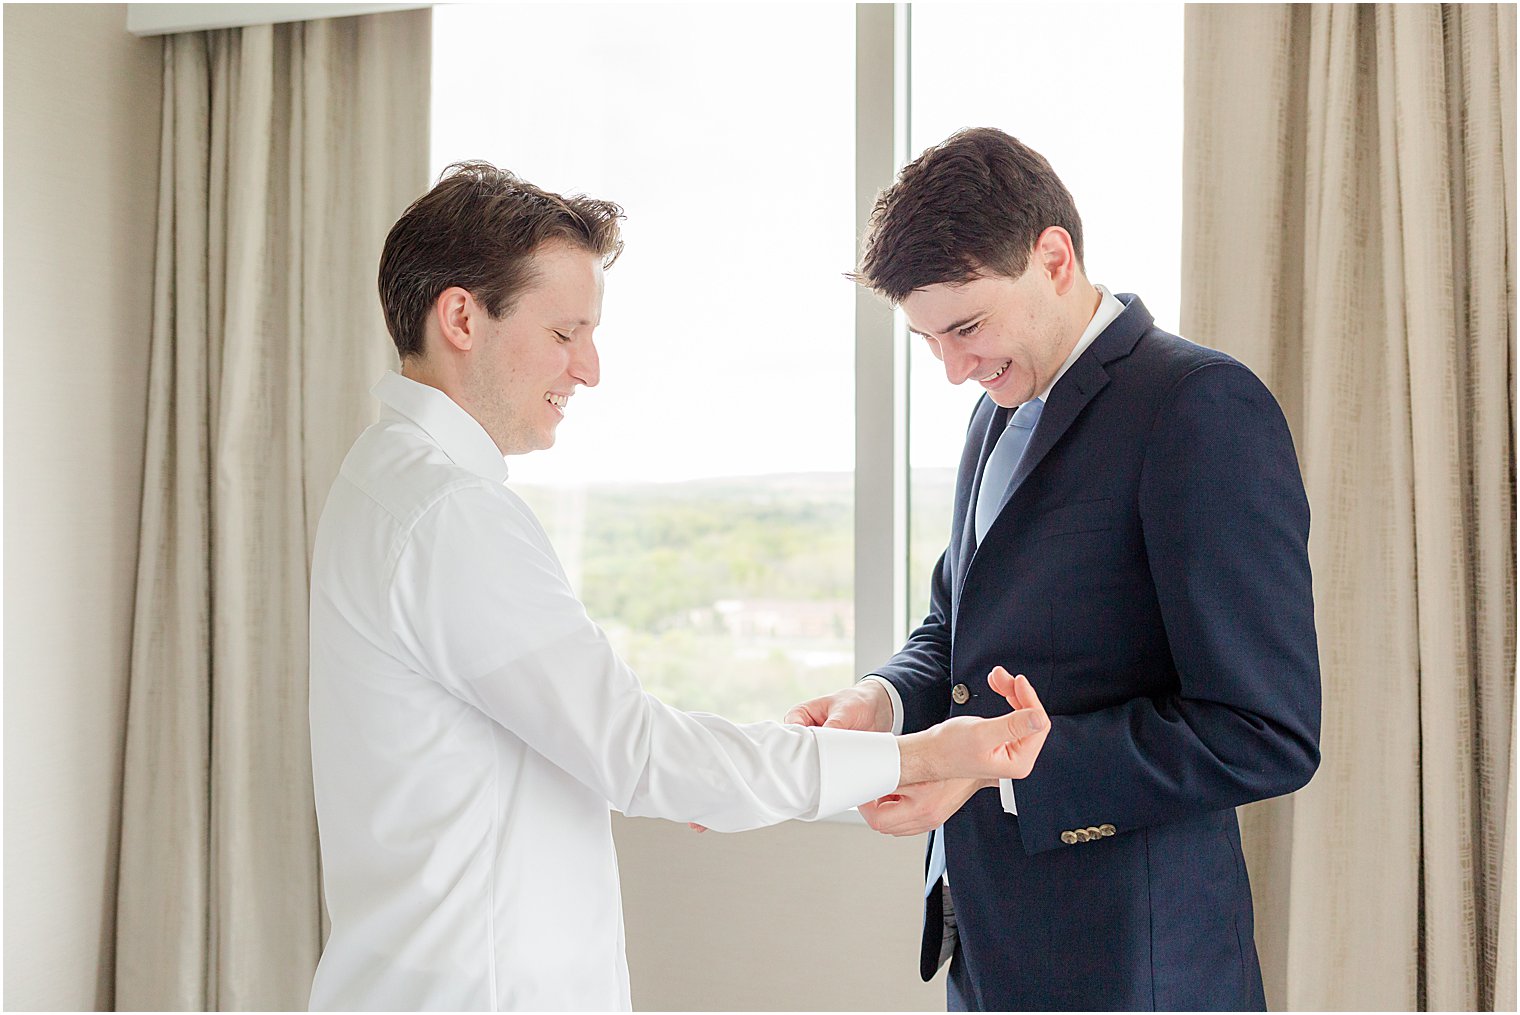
(1070, 519)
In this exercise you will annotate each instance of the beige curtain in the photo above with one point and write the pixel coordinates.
(1349, 209)
(287, 152)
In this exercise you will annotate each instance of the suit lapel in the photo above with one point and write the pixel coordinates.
(1071, 395)
(1076, 388)
(1083, 380)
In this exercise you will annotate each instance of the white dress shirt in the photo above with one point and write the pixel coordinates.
(470, 727)
(1109, 308)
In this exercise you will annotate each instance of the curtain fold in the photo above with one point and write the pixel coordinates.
(287, 152)
(1349, 209)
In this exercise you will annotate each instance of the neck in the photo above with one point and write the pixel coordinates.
(422, 370)
(1083, 301)
(1087, 296)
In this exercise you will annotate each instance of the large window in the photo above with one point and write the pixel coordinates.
(702, 497)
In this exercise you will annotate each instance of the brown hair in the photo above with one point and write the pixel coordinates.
(971, 205)
(477, 229)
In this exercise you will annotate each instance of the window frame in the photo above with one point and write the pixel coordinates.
(883, 33)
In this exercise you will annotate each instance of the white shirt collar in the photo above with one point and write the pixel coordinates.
(1109, 308)
(453, 429)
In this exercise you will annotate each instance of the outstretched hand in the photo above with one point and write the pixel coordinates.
(1027, 725)
(1004, 747)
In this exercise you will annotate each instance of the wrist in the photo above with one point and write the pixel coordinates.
(884, 717)
(922, 756)
(879, 700)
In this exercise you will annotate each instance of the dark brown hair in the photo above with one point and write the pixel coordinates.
(478, 229)
(972, 205)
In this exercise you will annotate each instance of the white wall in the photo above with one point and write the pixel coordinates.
(81, 157)
(821, 917)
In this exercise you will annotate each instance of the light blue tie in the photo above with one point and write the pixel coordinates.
(936, 860)
(1003, 461)
(995, 479)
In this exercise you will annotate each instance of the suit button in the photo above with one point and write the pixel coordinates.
(1082, 835)
(1106, 830)
(1069, 837)
(1094, 832)
(959, 694)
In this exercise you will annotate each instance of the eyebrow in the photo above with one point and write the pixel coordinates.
(957, 325)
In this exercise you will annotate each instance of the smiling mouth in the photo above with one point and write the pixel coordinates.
(558, 401)
(998, 373)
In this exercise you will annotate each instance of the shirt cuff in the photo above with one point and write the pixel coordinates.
(1005, 793)
(897, 705)
(853, 767)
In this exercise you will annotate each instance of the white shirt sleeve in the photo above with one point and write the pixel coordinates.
(481, 600)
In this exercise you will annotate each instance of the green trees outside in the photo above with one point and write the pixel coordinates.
(732, 596)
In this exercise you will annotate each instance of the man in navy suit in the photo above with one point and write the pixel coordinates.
(1130, 533)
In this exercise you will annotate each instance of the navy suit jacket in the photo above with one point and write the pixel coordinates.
(1149, 573)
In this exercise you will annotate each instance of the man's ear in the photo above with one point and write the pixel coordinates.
(457, 316)
(1057, 255)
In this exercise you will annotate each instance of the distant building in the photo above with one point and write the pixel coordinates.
(781, 620)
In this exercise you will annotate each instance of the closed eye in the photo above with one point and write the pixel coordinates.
(968, 330)
(561, 336)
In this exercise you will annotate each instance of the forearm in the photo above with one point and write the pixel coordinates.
(927, 757)
(923, 761)
(577, 704)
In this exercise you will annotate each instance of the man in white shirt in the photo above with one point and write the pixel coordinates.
(471, 727)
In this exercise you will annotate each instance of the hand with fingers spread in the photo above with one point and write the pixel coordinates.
(964, 747)
(918, 807)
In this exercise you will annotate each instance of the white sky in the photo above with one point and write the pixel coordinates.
(727, 134)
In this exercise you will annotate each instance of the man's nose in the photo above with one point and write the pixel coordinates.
(959, 365)
(586, 367)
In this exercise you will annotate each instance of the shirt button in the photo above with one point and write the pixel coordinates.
(959, 694)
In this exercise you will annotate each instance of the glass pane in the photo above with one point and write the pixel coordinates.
(1097, 90)
(701, 496)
